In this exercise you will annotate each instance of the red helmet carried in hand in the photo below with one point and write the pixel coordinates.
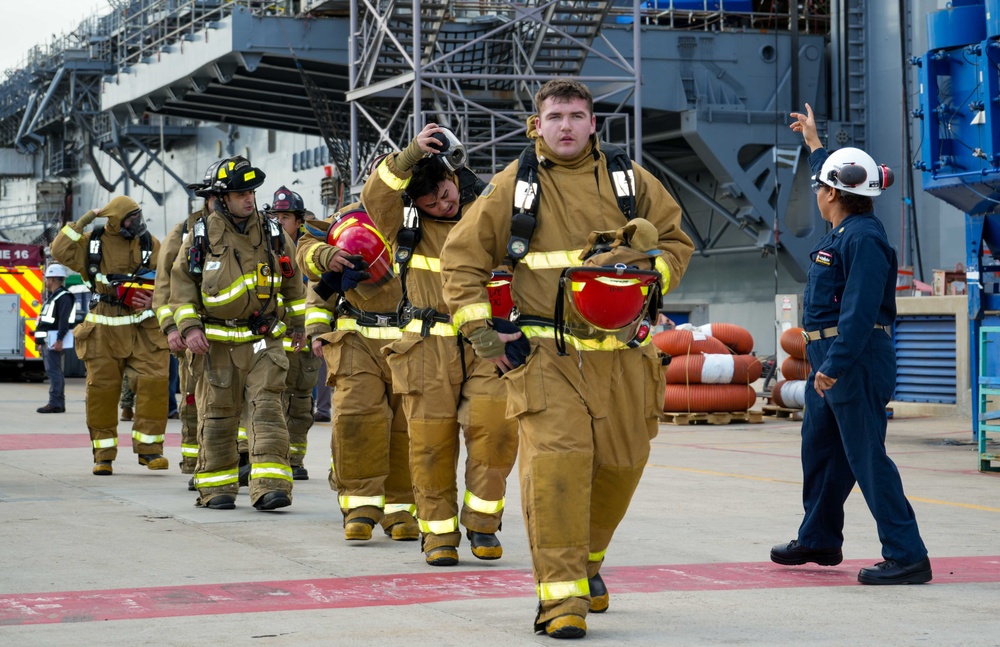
(599, 302)
(355, 233)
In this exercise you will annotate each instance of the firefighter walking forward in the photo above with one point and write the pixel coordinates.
(369, 447)
(224, 296)
(444, 385)
(585, 416)
(120, 331)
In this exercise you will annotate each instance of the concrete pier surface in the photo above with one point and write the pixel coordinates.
(129, 560)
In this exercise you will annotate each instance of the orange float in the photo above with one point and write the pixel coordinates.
(793, 344)
(794, 368)
(790, 394)
(685, 342)
(737, 338)
(713, 369)
(708, 398)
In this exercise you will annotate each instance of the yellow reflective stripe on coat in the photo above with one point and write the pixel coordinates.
(297, 448)
(71, 233)
(421, 262)
(289, 346)
(216, 479)
(238, 334)
(472, 312)
(562, 590)
(126, 320)
(312, 266)
(163, 312)
(189, 451)
(482, 505)
(664, 270)
(241, 434)
(270, 471)
(608, 343)
(552, 260)
(296, 307)
(146, 439)
(401, 507)
(105, 443)
(439, 527)
(318, 316)
(352, 502)
(185, 312)
(596, 557)
(390, 179)
(232, 292)
(370, 332)
(439, 329)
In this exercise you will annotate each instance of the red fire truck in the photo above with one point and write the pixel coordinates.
(21, 287)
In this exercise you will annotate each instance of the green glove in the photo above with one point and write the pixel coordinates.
(409, 157)
(486, 342)
(87, 218)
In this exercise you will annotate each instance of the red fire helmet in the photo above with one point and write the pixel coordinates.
(603, 301)
(498, 290)
(355, 233)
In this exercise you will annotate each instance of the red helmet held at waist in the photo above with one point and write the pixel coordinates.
(599, 302)
(355, 233)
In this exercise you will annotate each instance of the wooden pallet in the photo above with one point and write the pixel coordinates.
(723, 418)
(781, 412)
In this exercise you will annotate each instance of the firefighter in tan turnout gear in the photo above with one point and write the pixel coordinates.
(444, 385)
(586, 415)
(349, 325)
(190, 366)
(224, 296)
(288, 209)
(120, 331)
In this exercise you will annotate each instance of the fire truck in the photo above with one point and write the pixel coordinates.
(21, 287)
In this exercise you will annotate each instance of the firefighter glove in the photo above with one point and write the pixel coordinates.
(486, 342)
(351, 277)
(87, 218)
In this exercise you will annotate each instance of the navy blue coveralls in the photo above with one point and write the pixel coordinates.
(851, 285)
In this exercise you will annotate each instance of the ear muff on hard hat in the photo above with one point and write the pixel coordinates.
(854, 171)
(355, 233)
(597, 303)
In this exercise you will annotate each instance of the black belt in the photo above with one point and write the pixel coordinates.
(826, 333)
(364, 318)
(106, 298)
(429, 316)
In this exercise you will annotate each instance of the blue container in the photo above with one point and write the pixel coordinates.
(956, 27)
(993, 18)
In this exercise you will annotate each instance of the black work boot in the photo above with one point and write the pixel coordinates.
(485, 545)
(272, 501)
(793, 554)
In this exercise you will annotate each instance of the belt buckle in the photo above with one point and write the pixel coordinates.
(805, 336)
(382, 321)
(231, 323)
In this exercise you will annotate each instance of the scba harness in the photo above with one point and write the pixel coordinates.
(95, 254)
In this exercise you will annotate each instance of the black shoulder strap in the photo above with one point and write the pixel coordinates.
(94, 253)
(527, 192)
(146, 245)
(469, 186)
(622, 178)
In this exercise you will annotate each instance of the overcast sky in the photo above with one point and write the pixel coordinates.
(26, 24)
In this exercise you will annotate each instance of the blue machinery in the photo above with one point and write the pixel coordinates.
(960, 160)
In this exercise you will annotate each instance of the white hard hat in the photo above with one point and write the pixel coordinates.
(854, 171)
(56, 271)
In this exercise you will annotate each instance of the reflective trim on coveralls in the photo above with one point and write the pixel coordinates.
(236, 289)
(297, 448)
(596, 557)
(238, 334)
(146, 439)
(270, 471)
(313, 267)
(482, 505)
(562, 590)
(552, 260)
(440, 329)
(401, 507)
(472, 312)
(609, 343)
(318, 316)
(104, 443)
(241, 434)
(438, 527)
(289, 346)
(429, 263)
(293, 308)
(162, 313)
(352, 502)
(390, 179)
(185, 312)
(371, 332)
(661, 266)
(126, 320)
(189, 451)
(71, 233)
(215, 479)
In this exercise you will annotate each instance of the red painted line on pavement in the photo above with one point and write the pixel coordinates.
(14, 442)
(397, 590)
